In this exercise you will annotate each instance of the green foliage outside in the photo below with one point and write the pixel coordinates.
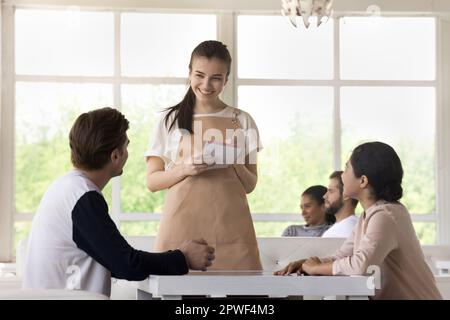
(286, 166)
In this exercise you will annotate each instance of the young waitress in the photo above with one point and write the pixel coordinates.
(203, 202)
(384, 237)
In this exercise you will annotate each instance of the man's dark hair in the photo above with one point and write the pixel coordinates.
(337, 175)
(94, 135)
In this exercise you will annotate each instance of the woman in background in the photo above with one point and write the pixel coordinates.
(312, 205)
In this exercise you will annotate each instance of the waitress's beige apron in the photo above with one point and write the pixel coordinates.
(213, 206)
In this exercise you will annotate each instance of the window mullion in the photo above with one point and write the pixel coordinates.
(443, 131)
(7, 122)
(337, 99)
(226, 34)
(117, 100)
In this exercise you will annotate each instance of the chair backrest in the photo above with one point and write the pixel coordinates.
(144, 243)
(434, 253)
(275, 253)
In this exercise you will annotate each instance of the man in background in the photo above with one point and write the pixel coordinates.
(341, 207)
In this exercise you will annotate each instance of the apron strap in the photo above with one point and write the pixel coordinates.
(235, 119)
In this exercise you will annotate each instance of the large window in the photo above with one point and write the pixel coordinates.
(314, 94)
(399, 107)
(269, 48)
(377, 48)
(296, 127)
(318, 93)
(64, 43)
(68, 62)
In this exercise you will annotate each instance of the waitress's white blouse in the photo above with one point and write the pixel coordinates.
(164, 144)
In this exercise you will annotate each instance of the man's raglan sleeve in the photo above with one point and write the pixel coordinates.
(95, 233)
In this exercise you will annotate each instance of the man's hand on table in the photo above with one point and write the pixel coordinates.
(198, 254)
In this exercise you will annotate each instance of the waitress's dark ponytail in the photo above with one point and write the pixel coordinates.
(184, 111)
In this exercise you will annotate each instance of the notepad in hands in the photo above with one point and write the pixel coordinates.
(221, 155)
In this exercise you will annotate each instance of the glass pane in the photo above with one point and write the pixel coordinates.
(270, 48)
(139, 228)
(141, 105)
(379, 48)
(64, 42)
(160, 45)
(403, 118)
(272, 229)
(426, 232)
(45, 113)
(295, 124)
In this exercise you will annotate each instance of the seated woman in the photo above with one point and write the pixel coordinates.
(313, 209)
(384, 238)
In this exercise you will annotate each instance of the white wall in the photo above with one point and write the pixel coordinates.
(440, 6)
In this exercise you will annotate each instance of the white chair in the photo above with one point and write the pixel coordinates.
(11, 287)
(432, 255)
(49, 294)
(10, 283)
(123, 289)
(13, 281)
(275, 253)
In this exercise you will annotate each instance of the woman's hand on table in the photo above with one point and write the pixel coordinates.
(293, 267)
(309, 266)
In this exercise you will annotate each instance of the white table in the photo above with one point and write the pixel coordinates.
(253, 283)
(443, 266)
(7, 269)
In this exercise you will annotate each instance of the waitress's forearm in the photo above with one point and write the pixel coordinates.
(247, 177)
(161, 180)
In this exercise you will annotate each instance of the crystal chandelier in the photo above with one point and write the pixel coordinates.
(306, 9)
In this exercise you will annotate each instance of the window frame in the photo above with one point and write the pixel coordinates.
(337, 83)
(226, 31)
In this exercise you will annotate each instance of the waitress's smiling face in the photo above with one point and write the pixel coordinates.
(208, 78)
(313, 213)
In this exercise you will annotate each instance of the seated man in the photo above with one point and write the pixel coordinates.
(343, 208)
(73, 236)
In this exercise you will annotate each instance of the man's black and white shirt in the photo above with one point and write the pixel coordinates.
(74, 244)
